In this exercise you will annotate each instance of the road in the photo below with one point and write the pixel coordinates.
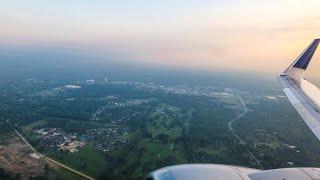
(244, 112)
(51, 160)
(241, 141)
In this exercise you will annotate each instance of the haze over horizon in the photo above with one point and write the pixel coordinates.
(204, 35)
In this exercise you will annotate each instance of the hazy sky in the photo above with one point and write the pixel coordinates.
(204, 34)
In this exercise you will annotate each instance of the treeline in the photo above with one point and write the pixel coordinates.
(4, 175)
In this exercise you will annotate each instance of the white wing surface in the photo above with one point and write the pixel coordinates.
(303, 95)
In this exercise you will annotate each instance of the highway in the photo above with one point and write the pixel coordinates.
(244, 112)
(51, 160)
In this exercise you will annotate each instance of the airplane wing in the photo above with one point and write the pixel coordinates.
(303, 95)
(201, 172)
(225, 172)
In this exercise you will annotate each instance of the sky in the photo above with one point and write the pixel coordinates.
(250, 35)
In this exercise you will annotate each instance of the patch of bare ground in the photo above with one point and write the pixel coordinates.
(16, 157)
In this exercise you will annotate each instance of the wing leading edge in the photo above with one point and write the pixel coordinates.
(303, 95)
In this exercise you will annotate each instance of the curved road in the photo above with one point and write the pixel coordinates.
(244, 112)
(51, 160)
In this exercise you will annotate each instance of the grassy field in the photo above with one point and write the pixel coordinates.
(87, 160)
(35, 124)
(64, 123)
(65, 174)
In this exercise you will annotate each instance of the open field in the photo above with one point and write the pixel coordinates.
(87, 160)
(16, 157)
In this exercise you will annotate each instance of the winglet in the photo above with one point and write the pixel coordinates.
(304, 60)
(297, 68)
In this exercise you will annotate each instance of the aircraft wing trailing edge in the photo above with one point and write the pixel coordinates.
(303, 95)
